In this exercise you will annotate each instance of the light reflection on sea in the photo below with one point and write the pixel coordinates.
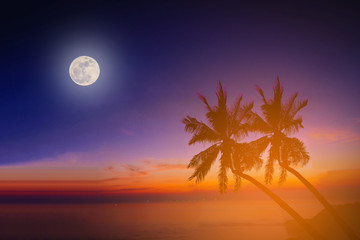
(170, 220)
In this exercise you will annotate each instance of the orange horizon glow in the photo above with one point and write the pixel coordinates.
(158, 182)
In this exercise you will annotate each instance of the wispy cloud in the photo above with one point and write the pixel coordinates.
(165, 165)
(334, 135)
(105, 170)
(346, 177)
(145, 167)
(135, 170)
(346, 131)
(109, 168)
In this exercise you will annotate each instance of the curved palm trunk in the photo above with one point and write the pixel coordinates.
(345, 227)
(311, 231)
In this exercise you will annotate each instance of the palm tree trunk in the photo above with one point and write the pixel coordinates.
(345, 227)
(311, 231)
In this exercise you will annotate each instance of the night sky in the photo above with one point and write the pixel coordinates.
(154, 58)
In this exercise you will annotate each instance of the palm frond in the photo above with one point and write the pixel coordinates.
(260, 144)
(278, 90)
(286, 109)
(261, 92)
(210, 153)
(272, 111)
(269, 167)
(266, 107)
(236, 108)
(290, 103)
(218, 117)
(218, 120)
(203, 162)
(241, 124)
(238, 154)
(201, 132)
(269, 171)
(293, 126)
(221, 96)
(246, 156)
(272, 114)
(283, 175)
(222, 177)
(204, 100)
(297, 154)
(297, 107)
(240, 131)
(238, 183)
(258, 124)
(234, 113)
(192, 125)
(290, 124)
(245, 112)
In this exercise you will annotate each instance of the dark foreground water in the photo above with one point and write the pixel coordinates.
(176, 220)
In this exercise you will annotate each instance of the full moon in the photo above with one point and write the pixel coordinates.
(84, 70)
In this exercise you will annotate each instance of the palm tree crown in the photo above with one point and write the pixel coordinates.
(281, 120)
(225, 125)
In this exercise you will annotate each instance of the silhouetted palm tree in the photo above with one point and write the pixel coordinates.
(225, 126)
(280, 121)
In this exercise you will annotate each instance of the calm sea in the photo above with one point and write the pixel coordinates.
(170, 220)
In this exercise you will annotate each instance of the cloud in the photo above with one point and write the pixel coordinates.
(145, 167)
(345, 131)
(334, 135)
(165, 166)
(134, 170)
(347, 177)
(109, 168)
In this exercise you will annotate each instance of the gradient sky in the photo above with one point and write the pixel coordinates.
(154, 58)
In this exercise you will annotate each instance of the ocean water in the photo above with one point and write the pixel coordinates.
(160, 220)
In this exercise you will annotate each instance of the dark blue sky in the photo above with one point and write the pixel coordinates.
(154, 57)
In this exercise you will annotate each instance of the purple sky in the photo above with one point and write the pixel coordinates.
(154, 58)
